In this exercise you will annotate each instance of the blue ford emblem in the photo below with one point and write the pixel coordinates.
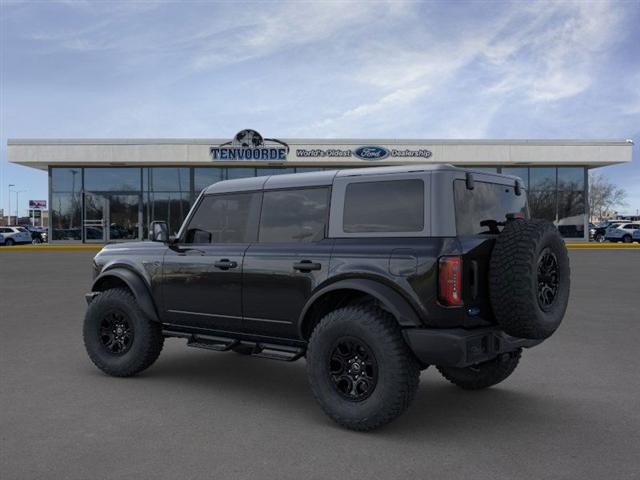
(371, 153)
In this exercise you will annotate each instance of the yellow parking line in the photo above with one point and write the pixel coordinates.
(603, 246)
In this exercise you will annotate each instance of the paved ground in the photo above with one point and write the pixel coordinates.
(572, 410)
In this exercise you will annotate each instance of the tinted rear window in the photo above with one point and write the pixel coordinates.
(483, 209)
(297, 216)
(385, 206)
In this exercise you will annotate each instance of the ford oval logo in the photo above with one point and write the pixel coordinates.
(371, 153)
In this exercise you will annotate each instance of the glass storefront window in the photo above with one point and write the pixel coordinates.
(542, 204)
(241, 172)
(203, 177)
(570, 178)
(167, 179)
(571, 213)
(66, 179)
(66, 217)
(522, 172)
(542, 178)
(112, 179)
(171, 207)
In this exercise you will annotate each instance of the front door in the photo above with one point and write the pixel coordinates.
(202, 272)
(110, 217)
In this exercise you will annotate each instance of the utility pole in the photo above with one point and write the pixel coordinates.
(9, 211)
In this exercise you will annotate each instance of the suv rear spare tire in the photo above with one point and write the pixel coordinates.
(529, 279)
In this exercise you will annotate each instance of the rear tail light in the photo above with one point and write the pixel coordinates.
(450, 280)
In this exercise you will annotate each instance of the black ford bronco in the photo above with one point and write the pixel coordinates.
(370, 274)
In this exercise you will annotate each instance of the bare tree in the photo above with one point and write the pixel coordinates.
(604, 196)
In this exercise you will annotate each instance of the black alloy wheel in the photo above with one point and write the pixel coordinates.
(353, 369)
(547, 279)
(116, 333)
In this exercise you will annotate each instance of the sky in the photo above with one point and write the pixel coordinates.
(194, 69)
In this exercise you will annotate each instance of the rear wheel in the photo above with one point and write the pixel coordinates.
(360, 369)
(120, 340)
(599, 238)
(484, 374)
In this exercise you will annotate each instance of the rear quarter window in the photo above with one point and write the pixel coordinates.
(384, 206)
(484, 209)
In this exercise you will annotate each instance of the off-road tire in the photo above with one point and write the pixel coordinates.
(147, 335)
(483, 375)
(515, 279)
(398, 372)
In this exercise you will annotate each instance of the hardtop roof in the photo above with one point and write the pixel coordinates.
(316, 179)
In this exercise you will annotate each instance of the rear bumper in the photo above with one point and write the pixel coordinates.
(457, 347)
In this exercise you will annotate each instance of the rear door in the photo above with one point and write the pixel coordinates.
(289, 260)
(202, 274)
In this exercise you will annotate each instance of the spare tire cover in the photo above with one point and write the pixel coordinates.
(529, 279)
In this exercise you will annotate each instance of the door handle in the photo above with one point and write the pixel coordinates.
(306, 266)
(225, 264)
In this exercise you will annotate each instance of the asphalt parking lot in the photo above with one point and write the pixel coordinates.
(571, 410)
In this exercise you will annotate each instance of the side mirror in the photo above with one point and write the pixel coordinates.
(158, 231)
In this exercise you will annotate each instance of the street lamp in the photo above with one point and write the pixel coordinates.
(18, 192)
(9, 211)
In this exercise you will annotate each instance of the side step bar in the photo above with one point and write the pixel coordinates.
(272, 351)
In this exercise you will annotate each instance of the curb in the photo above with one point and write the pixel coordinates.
(602, 246)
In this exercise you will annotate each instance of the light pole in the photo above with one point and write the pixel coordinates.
(18, 192)
(9, 211)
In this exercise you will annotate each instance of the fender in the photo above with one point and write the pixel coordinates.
(399, 307)
(137, 286)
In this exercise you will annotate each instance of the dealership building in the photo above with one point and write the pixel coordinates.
(109, 190)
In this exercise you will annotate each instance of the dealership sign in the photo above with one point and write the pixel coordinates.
(366, 152)
(38, 204)
(250, 145)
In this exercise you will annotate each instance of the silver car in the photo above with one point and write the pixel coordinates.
(15, 235)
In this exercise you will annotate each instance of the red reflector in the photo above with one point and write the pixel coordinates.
(450, 281)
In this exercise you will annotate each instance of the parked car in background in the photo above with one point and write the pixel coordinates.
(622, 232)
(600, 230)
(38, 234)
(15, 235)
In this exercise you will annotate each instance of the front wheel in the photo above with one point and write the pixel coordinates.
(120, 340)
(36, 241)
(360, 369)
(626, 239)
(599, 238)
(9, 242)
(483, 375)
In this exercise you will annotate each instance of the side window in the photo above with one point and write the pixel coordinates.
(297, 216)
(228, 218)
(384, 206)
